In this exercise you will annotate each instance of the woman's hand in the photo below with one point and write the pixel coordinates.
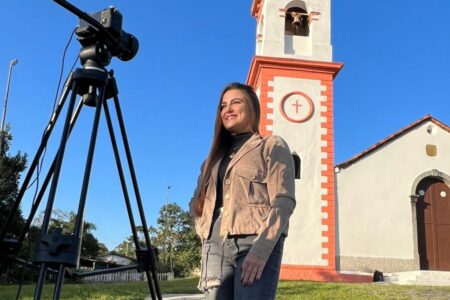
(251, 269)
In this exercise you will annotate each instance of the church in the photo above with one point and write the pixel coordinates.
(388, 207)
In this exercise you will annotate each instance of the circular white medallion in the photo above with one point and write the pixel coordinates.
(297, 107)
(421, 192)
(443, 194)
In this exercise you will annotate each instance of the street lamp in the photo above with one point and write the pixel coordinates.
(167, 227)
(11, 64)
(2, 128)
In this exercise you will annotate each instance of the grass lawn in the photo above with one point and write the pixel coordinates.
(286, 290)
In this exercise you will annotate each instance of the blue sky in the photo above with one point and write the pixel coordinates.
(396, 56)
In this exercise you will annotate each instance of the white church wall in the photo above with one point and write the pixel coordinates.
(321, 30)
(374, 215)
(304, 244)
(272, 42)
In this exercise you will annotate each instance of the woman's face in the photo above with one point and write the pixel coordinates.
(234, 112)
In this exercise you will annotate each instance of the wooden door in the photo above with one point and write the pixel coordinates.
(433, 224)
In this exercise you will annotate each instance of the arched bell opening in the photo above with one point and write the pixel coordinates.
(296, 22)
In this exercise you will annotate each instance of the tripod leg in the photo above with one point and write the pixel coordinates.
(121, 173)
(53, 187)
(59, 282)
(78, 232)
(125, 191)
(37, 157)
(47, 179)
(137, 194)
(40, 282)
(59, 159)
(41, 193)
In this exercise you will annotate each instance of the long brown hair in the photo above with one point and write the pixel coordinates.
(222, 137)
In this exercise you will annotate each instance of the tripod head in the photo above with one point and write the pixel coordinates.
(102, 37)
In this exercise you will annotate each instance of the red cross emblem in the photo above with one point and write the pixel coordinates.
(296, 107)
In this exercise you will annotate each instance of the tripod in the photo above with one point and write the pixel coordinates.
(56, 251)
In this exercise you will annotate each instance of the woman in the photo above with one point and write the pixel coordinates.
(242, 203)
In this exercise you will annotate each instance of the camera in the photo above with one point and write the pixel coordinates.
(118, 42)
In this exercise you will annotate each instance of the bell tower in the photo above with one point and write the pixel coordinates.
(292, 73)
(293, 29)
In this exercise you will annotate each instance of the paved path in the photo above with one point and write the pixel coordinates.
(181, 297)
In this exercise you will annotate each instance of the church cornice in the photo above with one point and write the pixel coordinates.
(256, 8)
(260, 62)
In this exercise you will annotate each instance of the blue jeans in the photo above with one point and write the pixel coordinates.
(222, 259)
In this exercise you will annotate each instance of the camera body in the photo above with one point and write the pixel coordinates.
(120, 44)
(111, 20)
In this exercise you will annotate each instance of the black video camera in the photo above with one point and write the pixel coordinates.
(119, 43)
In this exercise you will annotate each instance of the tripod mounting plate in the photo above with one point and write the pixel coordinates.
(89, 81)
(9, 247)
(58, 248)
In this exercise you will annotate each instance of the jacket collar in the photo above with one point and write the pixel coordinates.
(252, 143)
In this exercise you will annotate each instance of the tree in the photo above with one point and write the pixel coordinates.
(10, 169)
(175, 239)
(127, 248)
(180, 244)
(65, 220)
(90, 246)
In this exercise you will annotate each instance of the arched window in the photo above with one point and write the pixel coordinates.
(296, 22)
(297, 164)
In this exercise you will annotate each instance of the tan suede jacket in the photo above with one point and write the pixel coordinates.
(258, 194)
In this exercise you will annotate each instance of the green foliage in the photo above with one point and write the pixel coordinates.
(175, 239)
(10, 169)
(127, 248)
(90, 246)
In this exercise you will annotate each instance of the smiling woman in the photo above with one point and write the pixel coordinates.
(235, 113)
(243, 201)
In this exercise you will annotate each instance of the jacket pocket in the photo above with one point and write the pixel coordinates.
(252, 184)
(259, 215)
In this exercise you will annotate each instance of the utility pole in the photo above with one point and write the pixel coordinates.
(2, 128)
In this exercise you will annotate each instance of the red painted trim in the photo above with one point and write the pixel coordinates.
(256, 8)
(264, 102)
(329, 196)
(312, 273)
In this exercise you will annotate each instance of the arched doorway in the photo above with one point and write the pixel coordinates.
(433, 224)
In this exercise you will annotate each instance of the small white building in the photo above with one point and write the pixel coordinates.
(116, 259)
(393, 202)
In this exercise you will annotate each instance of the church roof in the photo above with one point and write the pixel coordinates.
(391, 138)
